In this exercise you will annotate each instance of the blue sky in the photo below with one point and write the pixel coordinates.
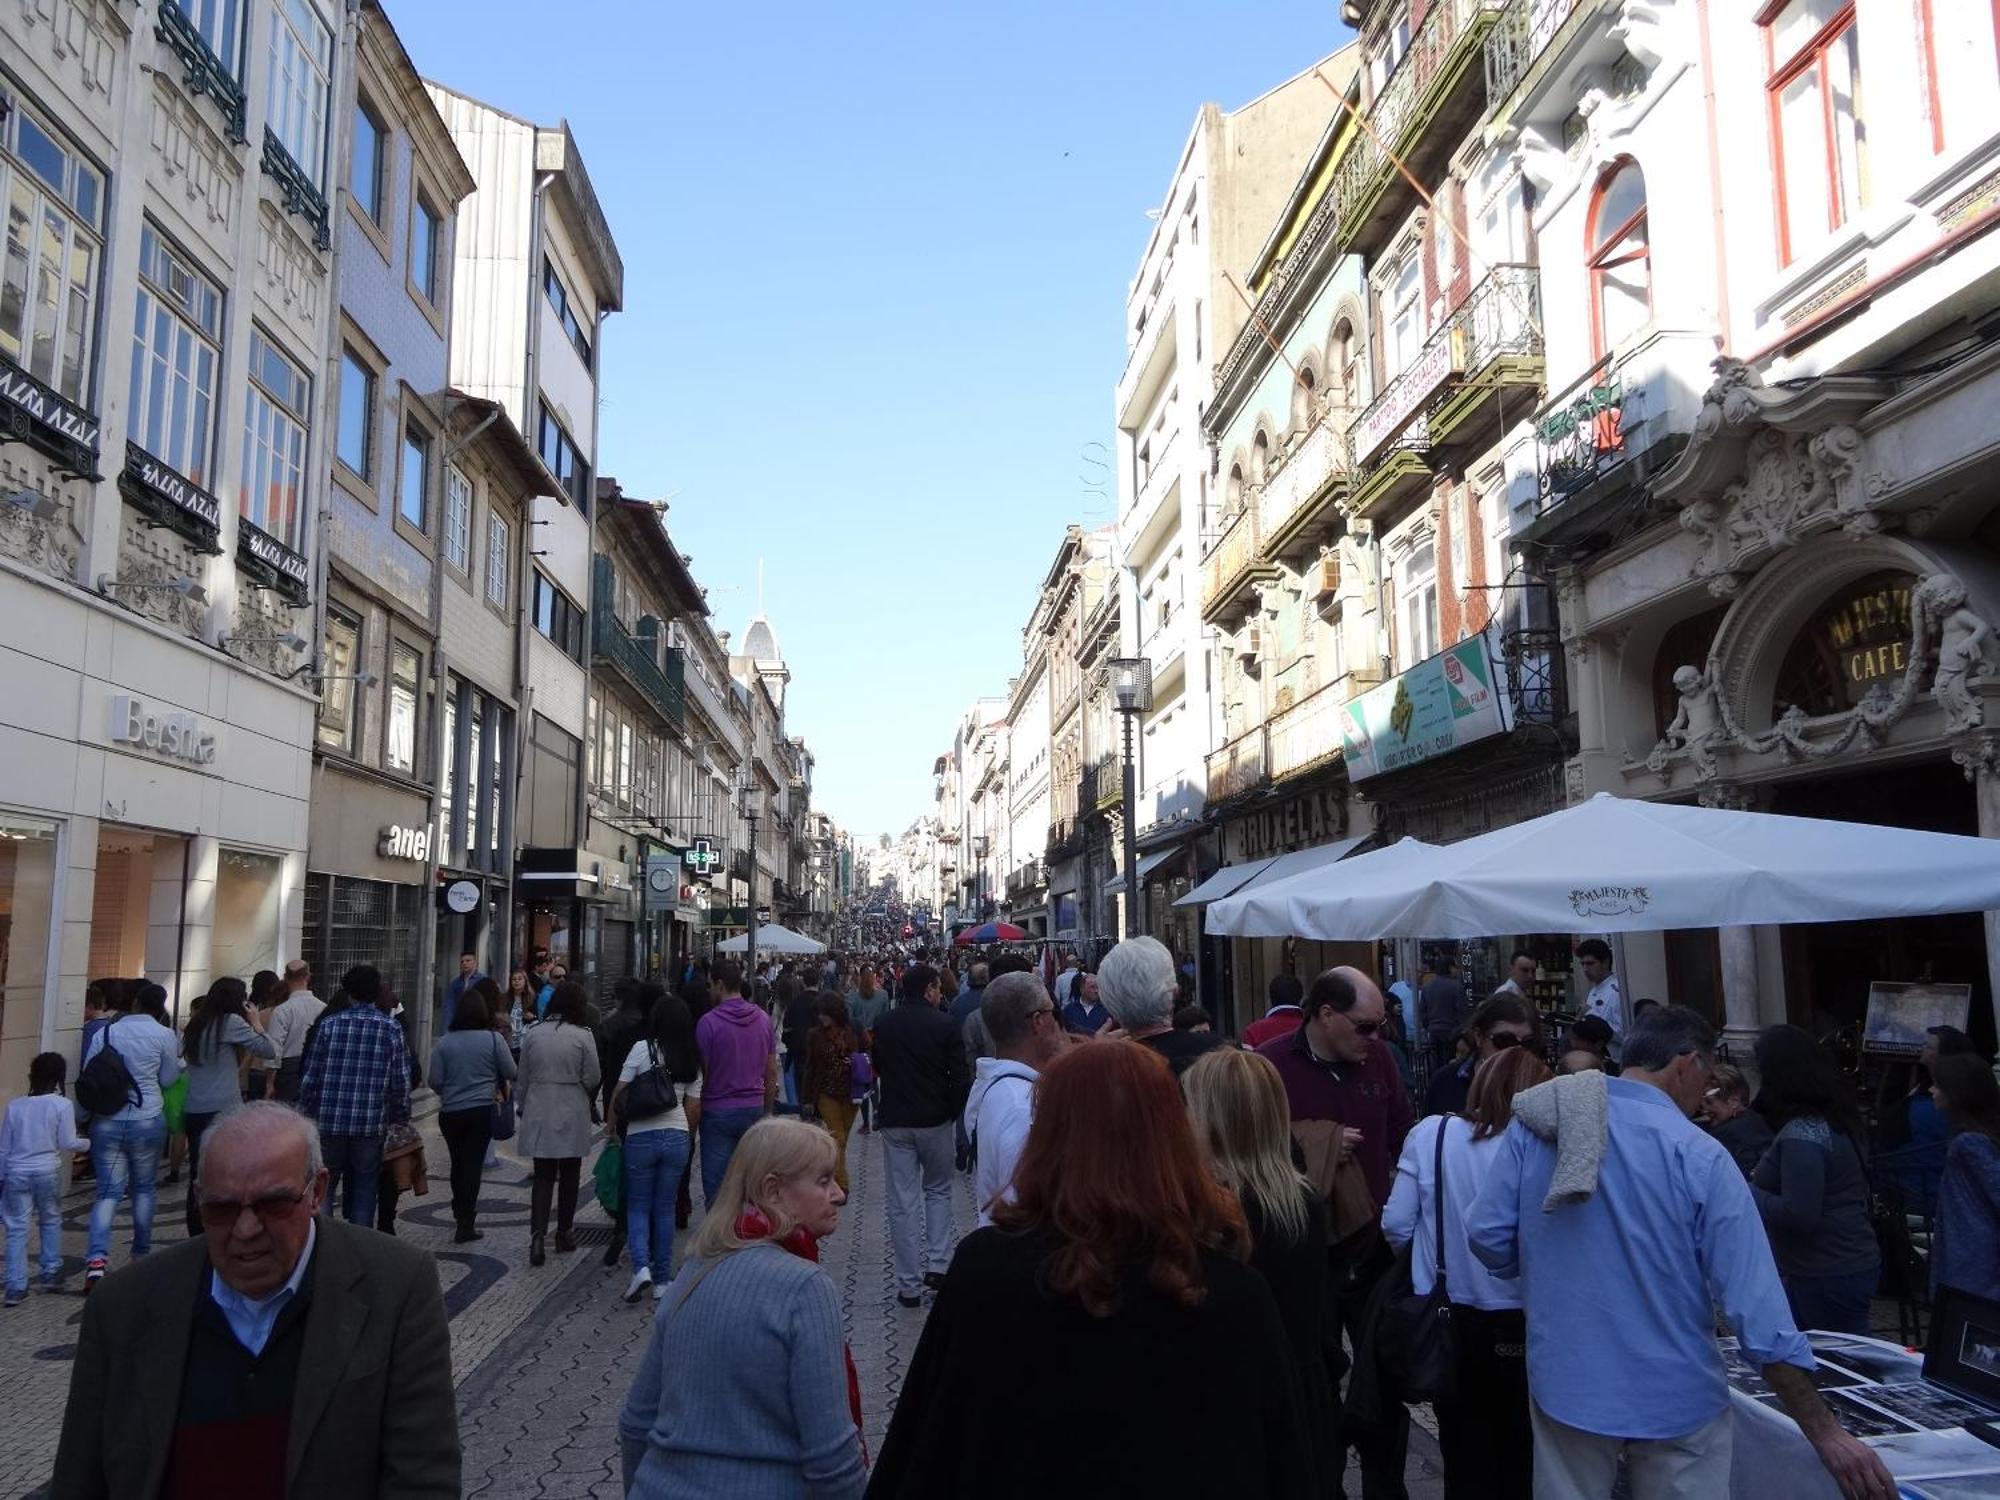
(876, 258)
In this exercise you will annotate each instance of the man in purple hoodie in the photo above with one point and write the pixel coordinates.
(739, 1074)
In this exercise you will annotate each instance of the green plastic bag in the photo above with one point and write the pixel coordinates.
(609, 1174)
(173, 1104)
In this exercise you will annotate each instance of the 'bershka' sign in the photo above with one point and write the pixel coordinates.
(169, 733)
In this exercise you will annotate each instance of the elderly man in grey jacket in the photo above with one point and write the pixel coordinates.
(1137, 983)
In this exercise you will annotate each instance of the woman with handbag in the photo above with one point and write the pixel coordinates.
(658, 1101)
(470, 1069)
(1243, 1123)
(827, 1084)
(552, 1097)
(746, 1387)
(1484, 1434)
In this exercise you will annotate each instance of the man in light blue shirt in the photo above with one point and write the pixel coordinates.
(251, 1319)
(1619, 1289)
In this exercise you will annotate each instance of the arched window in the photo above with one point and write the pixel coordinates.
(1621, 261)
(1232, 493)
(1345, 354)
(1260, 457)
(1304, 389)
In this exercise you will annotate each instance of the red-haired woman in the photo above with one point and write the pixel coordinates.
(1105, 1297)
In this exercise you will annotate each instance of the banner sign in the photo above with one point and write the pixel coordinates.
(1439, 705)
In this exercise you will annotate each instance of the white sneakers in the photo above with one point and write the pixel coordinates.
(636, 1287)
(660, 1292)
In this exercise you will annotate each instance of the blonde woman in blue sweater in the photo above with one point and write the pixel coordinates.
(746, 1391)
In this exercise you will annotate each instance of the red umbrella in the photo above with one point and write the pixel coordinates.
(991, 932)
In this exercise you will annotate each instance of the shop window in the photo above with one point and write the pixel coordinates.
(1621, 259)
(1818, 141)
(457, 518)
(354, 439)
(249, 888)
(349, 922)
(275, 415)
(176, 360)
(54, 203)
(367, 161)
(301, 64)
(448, 774)
(404, 670)
(1858, 640)
(27, 918)
(338, 700)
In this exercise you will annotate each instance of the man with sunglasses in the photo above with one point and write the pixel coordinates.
(1335, 1066)
(1500, 1022)
(279, 1355)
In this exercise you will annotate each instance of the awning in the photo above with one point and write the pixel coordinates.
(1231, 879)
(1147, 864)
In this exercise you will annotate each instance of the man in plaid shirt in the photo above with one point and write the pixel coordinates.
(355, 1062)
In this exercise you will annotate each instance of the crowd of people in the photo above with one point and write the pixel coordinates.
(1265, 1225)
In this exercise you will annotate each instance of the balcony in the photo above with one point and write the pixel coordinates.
(1102, 786)
(1303, 490)
(633, 656)
(1065, 840)
(1238, 766)
(202, 71)
(1500, 326)
(1307, 735)
(1528, 32)
(1420, 115)
(300, 194)
(1233, 564)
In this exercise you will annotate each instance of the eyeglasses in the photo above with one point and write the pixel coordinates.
(1500, 1040)
(1366, 1028)
(222, 1213)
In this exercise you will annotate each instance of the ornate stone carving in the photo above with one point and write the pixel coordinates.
(151, 554)
(261, 614)
(1967, 653)
(1702, 723)
(194, 157)
(80, 40)
(1793, 486)
(1574, 782)
(49, 543)
(292, 275)
(1976, 755)
(1728, 795)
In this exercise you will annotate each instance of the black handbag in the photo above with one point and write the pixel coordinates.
(651, 1093)
(1427, 1341)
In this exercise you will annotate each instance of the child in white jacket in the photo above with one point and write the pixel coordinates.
(34, 1134)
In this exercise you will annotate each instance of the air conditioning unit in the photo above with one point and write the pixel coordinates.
(1326, 575)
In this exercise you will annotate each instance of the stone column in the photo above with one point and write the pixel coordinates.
(1740, 999)
(1981, 761)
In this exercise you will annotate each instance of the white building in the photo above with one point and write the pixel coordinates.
(156, 495)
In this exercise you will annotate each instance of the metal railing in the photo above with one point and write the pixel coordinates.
(1239, 765)
(1302, 475)
(1449, 24)
(1308, 733)
(1580, 433)
(1225, 564)
(202, 71)
(663, 687)
(301, 194)
(1535, 678)
(1522, 34)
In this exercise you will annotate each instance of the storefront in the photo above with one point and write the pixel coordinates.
(367, 897)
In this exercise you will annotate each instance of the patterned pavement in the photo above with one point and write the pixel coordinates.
(542, 1357)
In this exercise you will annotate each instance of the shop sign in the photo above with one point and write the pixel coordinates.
(405, 841)
(169, 499)
(462, 896)
(269, 563)
(1315, 818)
(663, 882)
(175, 735)
(1436, 707)
(1441, 358)
(702, 857)
(32, 413)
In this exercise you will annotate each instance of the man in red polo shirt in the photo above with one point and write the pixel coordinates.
(1282, 1019)
(1336, 1067)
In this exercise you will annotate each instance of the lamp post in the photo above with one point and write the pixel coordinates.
(1130, 682)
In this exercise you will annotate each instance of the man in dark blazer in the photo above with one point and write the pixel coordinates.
(282, 1355)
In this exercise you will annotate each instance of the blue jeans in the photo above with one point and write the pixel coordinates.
(43, 1193)
(654, 1161)
(1836, 1304)
(125, 1151)
(356, 1160)
(721, 1129)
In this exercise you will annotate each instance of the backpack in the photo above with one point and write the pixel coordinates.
(105, 1086)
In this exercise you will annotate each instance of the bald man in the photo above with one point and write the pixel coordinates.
(1337, 1067)
(282, 1354)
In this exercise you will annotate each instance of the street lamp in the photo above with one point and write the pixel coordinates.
(1129, 680)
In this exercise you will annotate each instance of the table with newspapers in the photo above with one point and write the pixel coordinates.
(1878, 1391)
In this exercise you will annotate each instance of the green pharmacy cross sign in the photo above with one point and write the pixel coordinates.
(702, 858)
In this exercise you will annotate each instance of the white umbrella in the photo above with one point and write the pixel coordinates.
(771, 938)
(1622, 865)
(1305, 902)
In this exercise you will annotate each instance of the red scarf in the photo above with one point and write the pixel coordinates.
(752, 1225)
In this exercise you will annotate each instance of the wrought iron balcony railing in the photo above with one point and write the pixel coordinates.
(1308, 733)
(1239, 765)
(302, 195)
(1302, 477)
(203, 72)
(1521, 35)
(1226, 566)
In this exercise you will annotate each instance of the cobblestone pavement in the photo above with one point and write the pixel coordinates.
(542, 1357)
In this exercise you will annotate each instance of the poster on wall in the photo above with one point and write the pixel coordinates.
(1900, 1015)
(1440, 704)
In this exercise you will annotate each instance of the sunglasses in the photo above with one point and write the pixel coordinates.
(1500, 1040)
(222, 1213)
(1366, 1028)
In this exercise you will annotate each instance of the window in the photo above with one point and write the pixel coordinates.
(401, 750)
(337, 667)
(565, 312)
(1346, 359)
(1406, 316)
(1420, 605)
(499, 564)
(301, 64)
(558, 618)
(1814, 54)
(275, 407)
(1260, 457)
(558, 450)
(176, 358)
(1302, 398)
(425, 238)
(354, 442)
(457, 519)
(54, 203)
(1621, 260)
(365, 175)
(216, 22)
(413, 496)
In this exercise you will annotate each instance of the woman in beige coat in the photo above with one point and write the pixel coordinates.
(552, 1097)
